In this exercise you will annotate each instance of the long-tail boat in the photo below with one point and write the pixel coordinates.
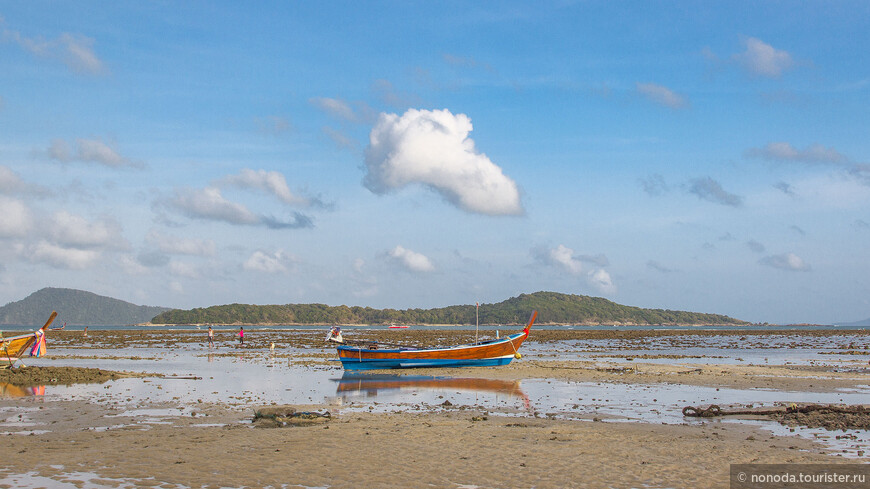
(499, 351)
(13, 347)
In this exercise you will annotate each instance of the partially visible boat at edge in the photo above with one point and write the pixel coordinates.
(14, 347)
(499, 351)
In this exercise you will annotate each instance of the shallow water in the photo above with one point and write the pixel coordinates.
(247, 377)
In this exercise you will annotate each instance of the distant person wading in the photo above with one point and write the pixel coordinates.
(242, 336)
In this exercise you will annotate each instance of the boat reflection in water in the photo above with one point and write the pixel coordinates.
(10, 390)
(370, 384)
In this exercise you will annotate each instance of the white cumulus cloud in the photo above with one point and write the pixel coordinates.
(601, 280)
(411, 260)
(432, 148)
(563, 257)
(260, 261)
(61, 257)
(17, 219)
(67, 229)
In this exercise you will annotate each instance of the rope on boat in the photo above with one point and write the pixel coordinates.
(516, 353)
(713, 410)
(378, 343)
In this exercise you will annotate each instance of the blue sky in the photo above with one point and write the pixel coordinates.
(703, 156)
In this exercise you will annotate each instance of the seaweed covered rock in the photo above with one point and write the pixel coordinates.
(29, 376)
(831, 418)
(288, 416)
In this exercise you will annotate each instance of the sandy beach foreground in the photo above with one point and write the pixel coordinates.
(457, 448)
(182, 441)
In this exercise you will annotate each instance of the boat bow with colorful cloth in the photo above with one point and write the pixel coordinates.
(499, 351)
(12, 348)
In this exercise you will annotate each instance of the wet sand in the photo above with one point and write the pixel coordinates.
(398, 450)
(190, 444)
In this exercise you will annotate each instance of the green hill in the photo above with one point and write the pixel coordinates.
(75, 307)
(552, 307)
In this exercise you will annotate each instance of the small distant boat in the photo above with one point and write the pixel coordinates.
(499, 351)
(399, 326)
(14, 347)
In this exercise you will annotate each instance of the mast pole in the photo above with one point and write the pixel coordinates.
(476, 319)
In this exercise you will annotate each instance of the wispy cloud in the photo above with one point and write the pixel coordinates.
(340, 139)
(762, 59)
(270, 182)
(432, 148)
(335, 107)
(208, 203)
(389, 95)
(563, 258)
(781, 151)
(180, 246)
(11, 183)
(89, 151)
(662, 95)
(297, 220)
(344, 111)
(710, 190)
(273, 125)
(786, 261)
(784, 188)
(758, 58)
(659, 267)
(755, 246)
(466, 62)
(861, 172)
(654, 185)
(74, 50)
